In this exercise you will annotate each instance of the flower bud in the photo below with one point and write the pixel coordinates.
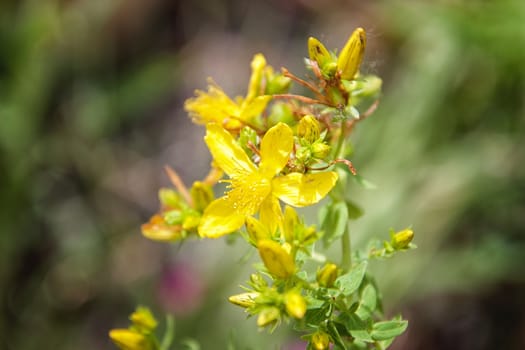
(401, 239)
(257, 281)
(320, 340)
(318, 52)
(291, 221)
(169, 198)
(256, 230)
(158, 230)
(202, 195)
(276, 83)
(276, 259)
(268, 316)
(327, 275)
(320, 150)
(295, 304)
(309, 128)
(351, 55)
(244, 299)
(143, 319)
(127, 339)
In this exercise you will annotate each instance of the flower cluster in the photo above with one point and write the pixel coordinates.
(277, 151)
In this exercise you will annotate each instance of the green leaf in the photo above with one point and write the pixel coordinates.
(335, 222)
(350, 282)
(386, 330)
(317, 316)
(356, 327)
(354, 211)
(368, 302)
(364, 183)
(335, 335)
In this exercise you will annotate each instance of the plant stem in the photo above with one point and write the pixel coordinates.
(346, 246)
(169, 334)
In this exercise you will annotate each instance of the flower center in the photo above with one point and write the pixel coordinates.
(247, 192)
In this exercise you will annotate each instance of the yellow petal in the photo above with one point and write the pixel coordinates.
(227, 153)
(212, 106)
(220, 218)
(352, 54)
(270, 214)
(276, 259)
(257, 65)
(255, 107)
(276, 146)
(301, 190)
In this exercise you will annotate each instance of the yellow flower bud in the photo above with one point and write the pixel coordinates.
(351, 55)
(291, 221)
(309, 128)
(143, 319)
(244, 299)
(295, 304)
(401, 239)
(127, 339)
(276, 259)
(318, 52)
(320, 150)
(320, 340)
(158, 230)
(202, 195)
(327, 275)
(170, 198)
(256, 230)
(268, 316)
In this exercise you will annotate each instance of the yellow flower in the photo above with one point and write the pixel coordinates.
(215, 106)
(255, 189)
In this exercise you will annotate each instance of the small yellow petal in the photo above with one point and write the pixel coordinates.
(227, 153)
(276, 146)
(244, 299)
(220, 218)
(301, 190)
(276, 259)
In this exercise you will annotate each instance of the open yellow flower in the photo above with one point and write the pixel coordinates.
(255, 189)
(215, 106)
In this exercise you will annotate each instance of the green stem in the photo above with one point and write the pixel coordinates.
(346, 246)
(340, 142)
(169, 334)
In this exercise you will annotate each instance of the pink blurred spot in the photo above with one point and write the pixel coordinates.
(181, 289)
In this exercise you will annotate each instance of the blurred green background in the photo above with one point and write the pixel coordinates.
(91, 96)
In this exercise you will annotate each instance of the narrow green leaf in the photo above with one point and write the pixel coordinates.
(388, 329)
(350, 282)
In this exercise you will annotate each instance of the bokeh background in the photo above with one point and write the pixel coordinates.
(91, 96)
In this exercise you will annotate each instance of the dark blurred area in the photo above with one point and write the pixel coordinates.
(91, 96)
